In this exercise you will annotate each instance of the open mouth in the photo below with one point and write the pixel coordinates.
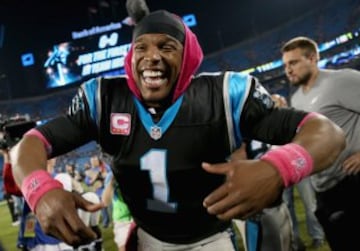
(153, 79)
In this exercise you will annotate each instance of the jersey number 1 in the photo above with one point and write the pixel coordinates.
(154, 161)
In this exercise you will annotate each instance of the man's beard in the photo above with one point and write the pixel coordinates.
(302, 80)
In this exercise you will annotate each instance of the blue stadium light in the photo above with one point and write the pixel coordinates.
(327, 45)
(336, 59)
(27, 59)
(190, 20)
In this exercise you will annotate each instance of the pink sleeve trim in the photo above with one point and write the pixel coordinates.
(306, 118)
(39, 135)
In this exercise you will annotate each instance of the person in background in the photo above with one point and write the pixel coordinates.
(14, 202)
(170, 133)
(30, 235)
(271, 230)
(95, 178)
(70, 169)
(76, 185)
(90, 219)
(51, 166)
(335, 94)
(121, 215)
(314, 228)
(2, 247)
(307, 195)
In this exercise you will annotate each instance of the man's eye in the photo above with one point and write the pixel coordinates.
(139, 47)
(168, 46)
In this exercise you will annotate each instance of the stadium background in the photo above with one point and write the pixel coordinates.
(235, 35)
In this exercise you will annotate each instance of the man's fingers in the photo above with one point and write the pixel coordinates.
(64, 232)
(228, 207)
(215, 196)
(57, 212)
(348, 162)
(351, 169)
(87, 205)
(238, 211)
(75, 232)
(216, 168)
(222, 191)
(225, 203)
(79, 228)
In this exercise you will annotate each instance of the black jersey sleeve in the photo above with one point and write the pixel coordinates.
(76, 128)
(262, 121)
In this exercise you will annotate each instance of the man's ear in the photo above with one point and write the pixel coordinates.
(314, 57)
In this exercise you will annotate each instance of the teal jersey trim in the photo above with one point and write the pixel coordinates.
(165, 121)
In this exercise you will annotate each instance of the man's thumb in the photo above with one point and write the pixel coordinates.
(89, 201)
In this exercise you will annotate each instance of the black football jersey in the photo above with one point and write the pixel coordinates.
(158, 164)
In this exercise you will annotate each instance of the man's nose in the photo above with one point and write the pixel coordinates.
(288, 69)
(153, 54)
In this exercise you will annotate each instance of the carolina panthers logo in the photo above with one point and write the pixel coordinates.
(77, 104)
(260, 93)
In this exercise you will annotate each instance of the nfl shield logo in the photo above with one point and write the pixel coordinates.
(155, 132)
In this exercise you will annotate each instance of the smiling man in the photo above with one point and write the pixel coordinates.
(171, 160)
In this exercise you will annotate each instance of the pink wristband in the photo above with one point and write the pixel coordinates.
(292, 161)
(36, 185)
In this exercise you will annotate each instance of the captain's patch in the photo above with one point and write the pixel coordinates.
(120, 123)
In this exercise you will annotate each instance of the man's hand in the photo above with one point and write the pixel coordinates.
(57, 214)
(351, 165)
(250, 186)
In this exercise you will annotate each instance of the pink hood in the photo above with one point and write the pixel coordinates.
(192, 59)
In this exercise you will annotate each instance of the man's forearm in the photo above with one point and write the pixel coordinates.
(27, 156)
(322, 139)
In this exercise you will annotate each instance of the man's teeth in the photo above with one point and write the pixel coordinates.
(152, 74)
(156, 81)
(155, 78)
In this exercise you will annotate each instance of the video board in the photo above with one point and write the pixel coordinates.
(74, 61)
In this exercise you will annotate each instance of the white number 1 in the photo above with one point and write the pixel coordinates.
(154, 161)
